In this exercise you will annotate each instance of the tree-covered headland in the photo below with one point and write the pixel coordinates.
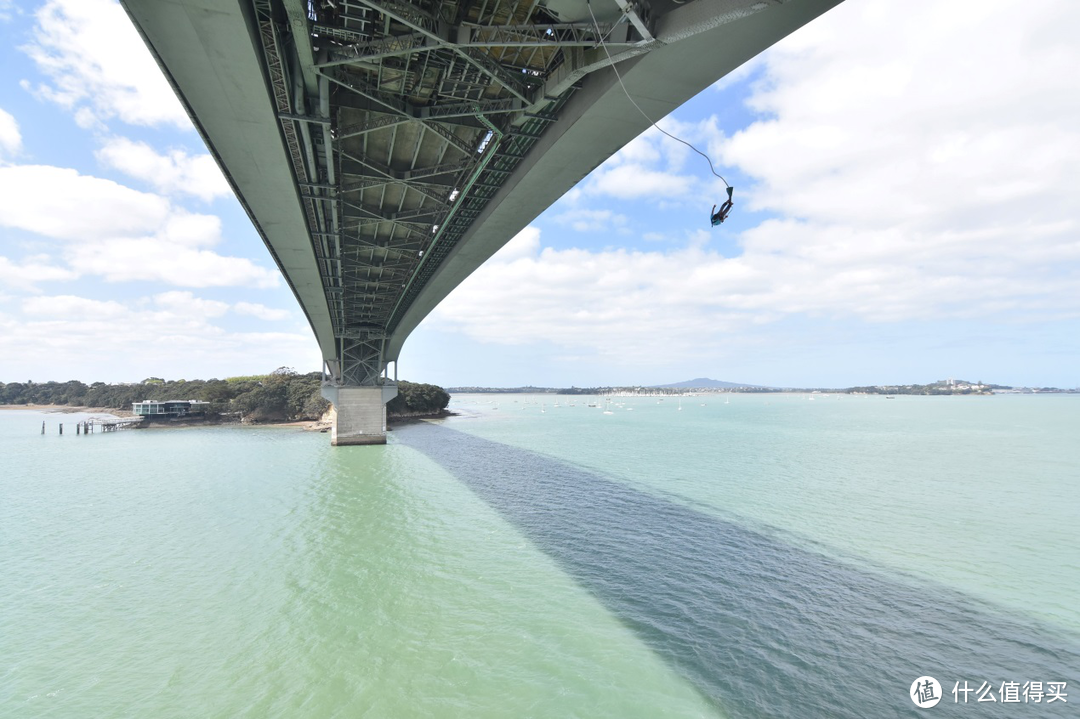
(281, 396)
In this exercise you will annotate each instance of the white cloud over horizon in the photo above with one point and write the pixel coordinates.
(121, 234)
(172, 334)
(913, 172)
(635, 307)
(72, 239)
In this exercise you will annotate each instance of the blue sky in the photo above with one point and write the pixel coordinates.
(905, 212)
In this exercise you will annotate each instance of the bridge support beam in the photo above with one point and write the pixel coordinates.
(359, 413)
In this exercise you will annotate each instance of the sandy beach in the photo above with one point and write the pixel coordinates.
(306, 424)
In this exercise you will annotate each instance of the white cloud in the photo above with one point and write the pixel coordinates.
(171, 335)
(172, 173)
(925, 118)
(84, 117)
(919, 162)
(185, 228)
(739, 74)
(654, 166)
(71, 307)
(591, 220)
(261, 311)
(27, 274)
(189, 305)
(10, 138)
(629, 182)
(523, 245)
(99, 67)
(119, 233)
(637, 307)
(62, 204)
(642, 150)
(929, 154)
(125, 260)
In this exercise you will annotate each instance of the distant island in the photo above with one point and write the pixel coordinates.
(673, 389)
(941, 387)
(704, 384)
(955, 386)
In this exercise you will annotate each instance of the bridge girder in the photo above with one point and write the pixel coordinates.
(392, 110)
(420, 135)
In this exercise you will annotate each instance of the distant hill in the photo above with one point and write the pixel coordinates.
(705, 383)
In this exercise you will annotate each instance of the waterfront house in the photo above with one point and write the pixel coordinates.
(170, 408)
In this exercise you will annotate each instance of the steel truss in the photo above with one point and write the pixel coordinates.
(361, 359)
(402, 119)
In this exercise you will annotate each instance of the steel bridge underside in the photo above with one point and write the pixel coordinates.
(384, 149)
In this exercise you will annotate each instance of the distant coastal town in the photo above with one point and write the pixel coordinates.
(287, 397)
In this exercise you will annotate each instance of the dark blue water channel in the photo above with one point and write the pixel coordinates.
(762, 627)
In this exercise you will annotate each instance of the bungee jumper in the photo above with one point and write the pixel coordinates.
(718, 217)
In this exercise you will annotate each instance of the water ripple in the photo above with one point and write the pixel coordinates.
(762, 627)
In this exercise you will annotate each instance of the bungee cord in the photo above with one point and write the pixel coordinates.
(715, 217)
(652, 122)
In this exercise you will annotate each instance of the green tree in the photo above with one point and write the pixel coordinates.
(418, 398)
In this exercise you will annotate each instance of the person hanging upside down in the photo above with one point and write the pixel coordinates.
(718, 217)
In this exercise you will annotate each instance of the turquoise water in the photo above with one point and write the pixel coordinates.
(768, 556)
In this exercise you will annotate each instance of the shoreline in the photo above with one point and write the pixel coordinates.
(308, 425)
(401, 419)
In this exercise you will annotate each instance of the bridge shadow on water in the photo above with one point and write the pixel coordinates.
(763, 628)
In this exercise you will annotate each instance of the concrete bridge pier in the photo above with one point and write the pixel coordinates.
(357, 383)
(359, 413)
